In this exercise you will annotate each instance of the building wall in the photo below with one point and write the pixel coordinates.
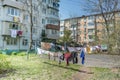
(40, 20)
(90, 26)
(62, 28)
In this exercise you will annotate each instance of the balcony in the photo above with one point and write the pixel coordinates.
(8, 19)
(54, 6)
(53, 36)
(49, 28)
(12, 19)
(15, 4)
(54, 27)
(8, 26)
(8, 32)
(52, 16)
(91, 40)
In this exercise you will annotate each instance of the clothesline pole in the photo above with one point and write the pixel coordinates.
(28, 51)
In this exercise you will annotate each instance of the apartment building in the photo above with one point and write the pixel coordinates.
(15, 23)
(86, 28)
(61, 28)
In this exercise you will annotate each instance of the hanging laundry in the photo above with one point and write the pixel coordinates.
(13, 33)
(39, 51)
(88, 49)
(82, 55)
(19, 33)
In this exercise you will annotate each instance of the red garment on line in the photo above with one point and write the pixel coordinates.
(19, 33)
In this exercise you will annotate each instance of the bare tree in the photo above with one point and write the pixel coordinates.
(67, 36)
(31, 6)
(107, 9)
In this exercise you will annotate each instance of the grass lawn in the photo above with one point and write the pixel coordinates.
(37, 68)
(105, 74)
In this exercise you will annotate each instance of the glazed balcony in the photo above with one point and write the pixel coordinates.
(11, 3)
(49, 28)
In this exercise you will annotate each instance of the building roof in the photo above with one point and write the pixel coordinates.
(98, 14)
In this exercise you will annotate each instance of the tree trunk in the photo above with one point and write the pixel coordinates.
(31, 25)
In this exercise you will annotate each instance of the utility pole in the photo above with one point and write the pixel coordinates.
(73, 31)
(77, 31)
(95, 30)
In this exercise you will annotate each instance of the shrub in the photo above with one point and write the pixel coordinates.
(0, 52)
(14, 53)
(4, 64)
(21, 54)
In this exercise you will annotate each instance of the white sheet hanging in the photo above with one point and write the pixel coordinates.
(13, 33)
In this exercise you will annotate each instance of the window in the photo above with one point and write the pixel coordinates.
(34, 19)
(90, 36)
(49, 1)
(53, 12)
(26, 17)
(13, 26)
(34, 30)
(85, 30)
(91, 24)
(9, 11)
(85, 19)
(85, 38)
(43, 21)
(11, 41)
(35, 7)
(61, 32)
(54, 31)
(91, 18)
(56, 5)
(0, 11)
(44, 1)
(52, 21)
(43, 10)
(90, 30)
(13, 11)
(25, 42)
(85, 25)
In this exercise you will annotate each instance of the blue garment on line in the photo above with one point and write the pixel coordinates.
(82, 55)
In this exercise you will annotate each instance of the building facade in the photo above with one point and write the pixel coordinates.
(15, 22)
(86, 29)
(62, 28)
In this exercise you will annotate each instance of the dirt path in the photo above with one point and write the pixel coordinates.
(101, 60)
(105, 61)
(84, 74)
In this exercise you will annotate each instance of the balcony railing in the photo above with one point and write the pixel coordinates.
(12, 19)
(13, 4)
(51, 26)
(8, 32)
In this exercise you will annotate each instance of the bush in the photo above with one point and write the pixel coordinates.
(21, 54)
(0, 52)
(4, 64)
(14, 53)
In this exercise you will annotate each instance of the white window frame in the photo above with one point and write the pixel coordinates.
(13, 12)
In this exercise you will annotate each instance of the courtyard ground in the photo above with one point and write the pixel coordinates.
(97, 67)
